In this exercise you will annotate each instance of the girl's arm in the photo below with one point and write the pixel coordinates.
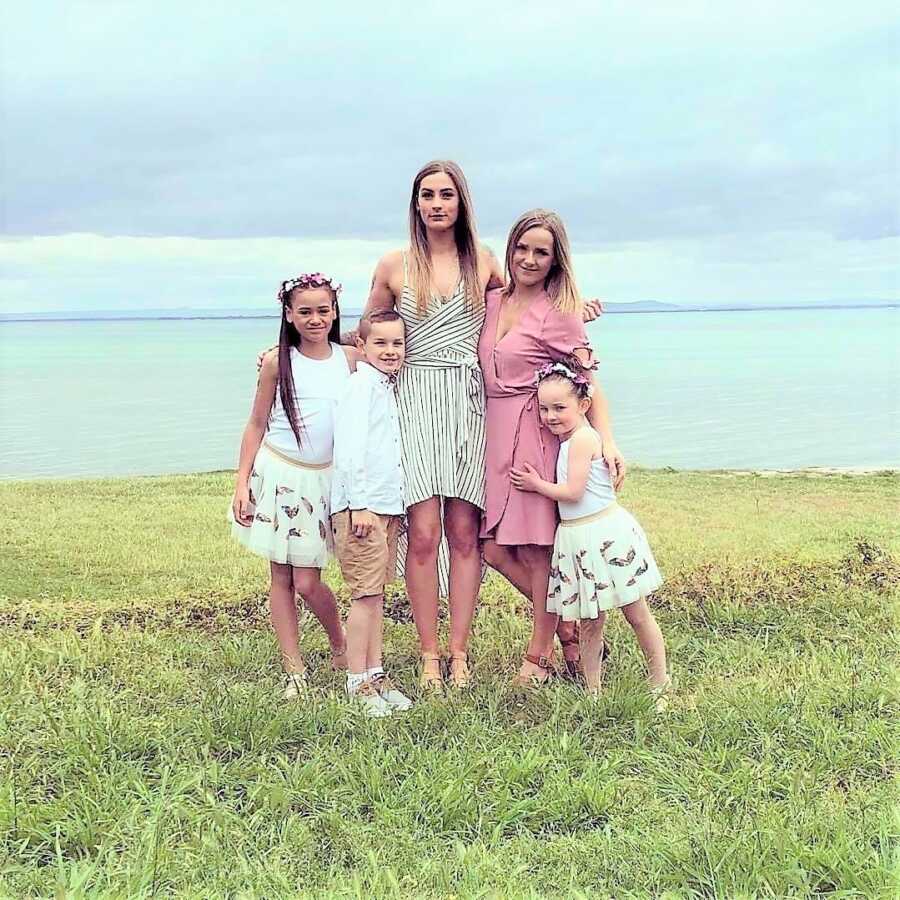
(581, 451)
(253, 436)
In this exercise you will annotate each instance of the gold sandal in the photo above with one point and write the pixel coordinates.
(460, 674)
(534, 680)
(431, 681)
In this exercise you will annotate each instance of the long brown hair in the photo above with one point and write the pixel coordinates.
(560, 281)
(464, 232)
(289, 337)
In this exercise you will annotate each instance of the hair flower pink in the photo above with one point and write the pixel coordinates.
(581, 380)
(306, 281)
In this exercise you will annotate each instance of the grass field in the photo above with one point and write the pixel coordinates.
(144, 752)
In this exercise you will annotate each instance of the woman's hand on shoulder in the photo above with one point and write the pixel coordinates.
(616, 462)
(353, 354)
(593, 309)
(261, 356)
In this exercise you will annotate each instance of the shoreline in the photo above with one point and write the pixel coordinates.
(808, 471)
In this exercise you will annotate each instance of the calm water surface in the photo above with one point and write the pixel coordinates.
(691, 390)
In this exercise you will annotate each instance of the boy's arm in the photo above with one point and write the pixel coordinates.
(351, 438)
(581, 451)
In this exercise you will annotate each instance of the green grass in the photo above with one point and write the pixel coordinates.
(143, 752)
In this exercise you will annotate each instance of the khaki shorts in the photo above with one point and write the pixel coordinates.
(368, 563)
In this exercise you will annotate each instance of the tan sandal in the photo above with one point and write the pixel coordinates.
(460, 674)
(431, 681)
(533, 680)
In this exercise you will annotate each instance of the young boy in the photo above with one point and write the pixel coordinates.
(367, 503)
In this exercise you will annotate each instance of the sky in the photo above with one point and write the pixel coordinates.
(193, 154)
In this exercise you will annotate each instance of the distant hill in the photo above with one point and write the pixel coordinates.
(638, 306)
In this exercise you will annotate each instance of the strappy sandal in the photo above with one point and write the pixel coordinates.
(573, 669)
(460, 674)
(534, 680)
(431, 681)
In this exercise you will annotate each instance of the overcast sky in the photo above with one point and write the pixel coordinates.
(193, 154)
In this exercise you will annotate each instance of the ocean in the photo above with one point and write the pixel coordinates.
(759, 389)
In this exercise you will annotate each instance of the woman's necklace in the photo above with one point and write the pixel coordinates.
(445, 295)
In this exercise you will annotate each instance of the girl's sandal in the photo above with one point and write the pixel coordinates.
(430, 680)
(460, 674)
(573, 668)
(532, 679)
(661, 695)
(294, 684)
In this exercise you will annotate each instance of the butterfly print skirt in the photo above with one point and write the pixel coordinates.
(292, 506)
(599, 563)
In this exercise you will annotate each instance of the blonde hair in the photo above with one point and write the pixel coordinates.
(560, 282)
(464, 232)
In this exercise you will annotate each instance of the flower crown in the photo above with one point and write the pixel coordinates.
(305, 282)
(579, 379)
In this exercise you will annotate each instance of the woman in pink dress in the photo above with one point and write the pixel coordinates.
(535, 319)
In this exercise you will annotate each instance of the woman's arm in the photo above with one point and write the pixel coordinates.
(581, 452)
(253, 436)
(382, 290)
(598, 416)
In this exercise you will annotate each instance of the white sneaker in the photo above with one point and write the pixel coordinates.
(386, 690)
(293, 685)
(373, 704)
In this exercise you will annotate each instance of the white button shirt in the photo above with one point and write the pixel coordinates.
(368, 469)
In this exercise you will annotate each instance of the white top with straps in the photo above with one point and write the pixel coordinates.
(318, 384)
(599, 492)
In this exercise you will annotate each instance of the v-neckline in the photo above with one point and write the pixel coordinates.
(499, 340)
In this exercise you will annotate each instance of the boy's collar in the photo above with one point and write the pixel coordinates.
(371, 372)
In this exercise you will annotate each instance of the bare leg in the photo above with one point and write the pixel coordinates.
(283, 615)
(642, 620)
(537, 560)
(320, 600)
(591, 651)
(506, 561)
(376, 635)
(424, 535)
(461, 524)
(361, 622)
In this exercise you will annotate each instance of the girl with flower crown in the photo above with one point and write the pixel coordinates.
(281, 499)
(536, 319)
(601, 557)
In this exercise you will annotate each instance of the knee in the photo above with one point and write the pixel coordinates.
(462, 536)
(306, 582)
(591, 629)
(535, 557)
(636, 613)
(424, 539)
(494, 554)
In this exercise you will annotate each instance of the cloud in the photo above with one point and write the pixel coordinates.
(226, 145)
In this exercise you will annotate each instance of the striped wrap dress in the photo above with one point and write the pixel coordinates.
(441, 402)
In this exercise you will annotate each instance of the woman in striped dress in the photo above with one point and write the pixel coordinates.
(438, 286)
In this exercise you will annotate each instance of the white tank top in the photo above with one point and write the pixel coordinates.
(599, 492)
(318, 383)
